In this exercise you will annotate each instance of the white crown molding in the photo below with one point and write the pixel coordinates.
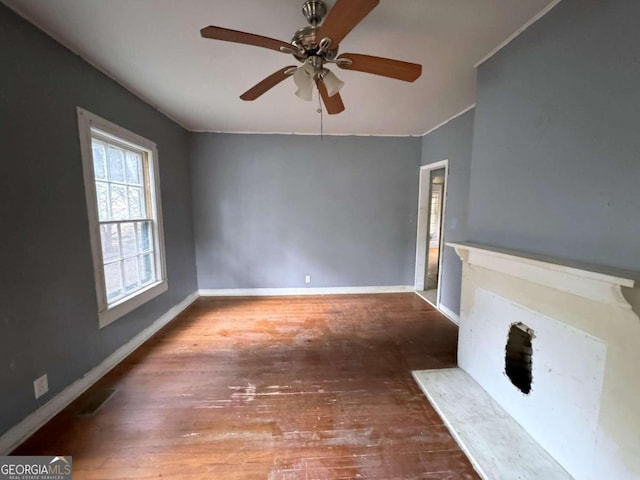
(518, 32)
(57, 38)
(450, 119)
(311, 134)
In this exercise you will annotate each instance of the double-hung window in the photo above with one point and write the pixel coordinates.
(123, 202)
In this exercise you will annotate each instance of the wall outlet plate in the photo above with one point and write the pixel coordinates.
(307, 279)
(41, 385)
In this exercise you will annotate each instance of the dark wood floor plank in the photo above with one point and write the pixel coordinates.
(271, 388)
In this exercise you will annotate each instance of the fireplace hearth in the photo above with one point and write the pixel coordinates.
(555, 344)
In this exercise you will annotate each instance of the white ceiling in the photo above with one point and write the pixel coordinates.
(154, 48)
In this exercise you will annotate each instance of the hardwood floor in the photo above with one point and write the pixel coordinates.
(271, 388)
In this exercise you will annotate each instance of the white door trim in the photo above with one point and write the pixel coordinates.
(423, 223)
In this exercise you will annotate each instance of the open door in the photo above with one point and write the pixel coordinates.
(431, 210)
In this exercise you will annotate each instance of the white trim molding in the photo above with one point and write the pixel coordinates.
(20, 432)
(518, 32)
(422, 227)
(447, 312)
(90, 127)
(450, 314)
(277, 292)
(592, 282)
(314, 134)
(24, 13)
(450, 119)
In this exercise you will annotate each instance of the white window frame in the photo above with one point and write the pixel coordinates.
(108, 313)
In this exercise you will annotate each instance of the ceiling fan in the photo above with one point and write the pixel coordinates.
(315, 46)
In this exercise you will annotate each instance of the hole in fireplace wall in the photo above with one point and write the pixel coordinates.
(518, 356)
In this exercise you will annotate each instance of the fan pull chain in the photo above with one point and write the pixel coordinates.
(320, 111)
(321, 119)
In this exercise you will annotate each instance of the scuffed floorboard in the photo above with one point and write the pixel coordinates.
(272, 388)
(496, 444)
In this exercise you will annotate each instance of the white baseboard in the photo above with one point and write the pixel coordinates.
(20, 432)
(450, 314)
(422, 295)
(267, 292)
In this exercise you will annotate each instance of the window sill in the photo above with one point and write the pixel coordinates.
(127, 305)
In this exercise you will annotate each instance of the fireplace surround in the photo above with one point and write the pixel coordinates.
(583, 326)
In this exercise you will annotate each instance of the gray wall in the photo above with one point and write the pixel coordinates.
(453, 142)
(556, 151)
(48, 308)
(269, 209)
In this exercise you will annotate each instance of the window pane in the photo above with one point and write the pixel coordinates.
(116, 164)
(128, 239)
(134, 168)
(119, 209)
(99, 159)
(145, 242)
(103, 201)
(136, 205)
(125, 240)
(113, 281)
(131, 274)
(110, 242)
(147, 274)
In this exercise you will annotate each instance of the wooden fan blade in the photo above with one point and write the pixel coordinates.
(228, 35)
(266, 84)
(343, 17)
(386, 67)
(333, 104)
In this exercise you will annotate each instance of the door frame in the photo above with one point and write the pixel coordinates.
(424, 200)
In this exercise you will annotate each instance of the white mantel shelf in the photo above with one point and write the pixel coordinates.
(594, 282)
(582, 407)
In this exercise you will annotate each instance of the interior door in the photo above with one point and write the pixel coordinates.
(434, 231)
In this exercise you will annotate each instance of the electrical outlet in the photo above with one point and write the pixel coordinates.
(307, 279)
(41, 385)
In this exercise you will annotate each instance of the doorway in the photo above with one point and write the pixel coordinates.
(431, 215)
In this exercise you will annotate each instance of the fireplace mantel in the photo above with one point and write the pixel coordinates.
(585, 325)
(593, 282)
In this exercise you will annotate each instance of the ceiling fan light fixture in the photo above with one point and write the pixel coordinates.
(316, 45)
(304, 74)
(332, 82)
(303, 78)
(305, 92)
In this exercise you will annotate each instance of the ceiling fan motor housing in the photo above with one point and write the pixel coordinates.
(317, 44)
(307, 38)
